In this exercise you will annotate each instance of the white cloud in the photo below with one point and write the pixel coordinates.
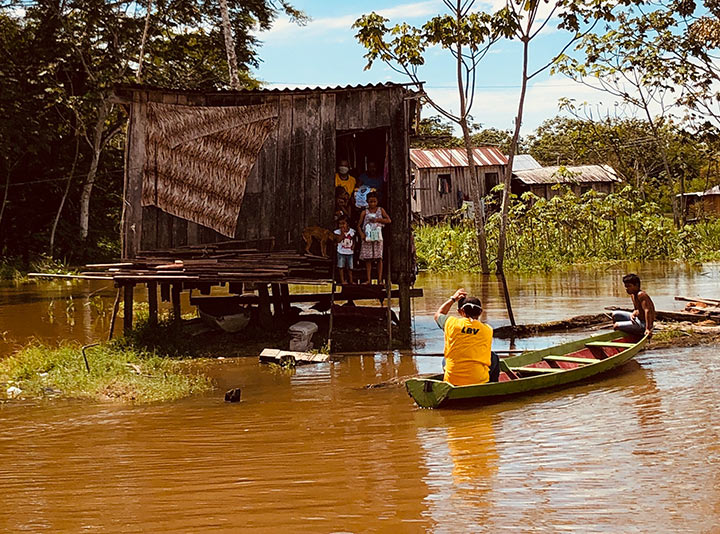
(284, 29)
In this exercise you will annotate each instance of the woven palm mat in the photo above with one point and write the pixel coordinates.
(199, 160)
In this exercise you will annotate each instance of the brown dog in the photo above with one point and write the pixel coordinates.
(323, 235)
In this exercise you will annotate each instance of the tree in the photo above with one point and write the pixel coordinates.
(68, 57)
(656, 61)
(577, 18)
(467, 35)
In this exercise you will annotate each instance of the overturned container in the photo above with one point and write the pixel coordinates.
(301, 336)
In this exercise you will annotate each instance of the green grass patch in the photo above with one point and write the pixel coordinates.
(116, 372)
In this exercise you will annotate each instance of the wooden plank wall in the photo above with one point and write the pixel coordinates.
(291, 185)
(430, 202)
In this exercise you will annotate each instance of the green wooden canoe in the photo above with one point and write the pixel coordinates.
(530, 371)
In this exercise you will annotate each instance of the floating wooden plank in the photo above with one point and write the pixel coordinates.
(708, 301)
(674, 316)
(282, 357)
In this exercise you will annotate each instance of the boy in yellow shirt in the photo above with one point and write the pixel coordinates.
(468, 342)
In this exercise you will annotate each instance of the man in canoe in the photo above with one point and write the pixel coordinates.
(640, 321)
(468, 355)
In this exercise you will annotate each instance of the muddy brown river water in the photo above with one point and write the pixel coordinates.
(312, 451)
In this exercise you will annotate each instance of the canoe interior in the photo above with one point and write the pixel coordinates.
(554, 366)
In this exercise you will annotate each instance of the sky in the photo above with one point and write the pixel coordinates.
(325, 53)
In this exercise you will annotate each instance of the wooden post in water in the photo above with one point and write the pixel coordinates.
(506, 294)
(152, 303)
(176, 289)
(128, 307)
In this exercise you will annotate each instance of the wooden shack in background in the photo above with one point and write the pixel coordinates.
(441, 177)
(580, 179)
(233, 169)
(700, 204)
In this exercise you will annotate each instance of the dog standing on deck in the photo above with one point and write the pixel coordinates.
(323, 235)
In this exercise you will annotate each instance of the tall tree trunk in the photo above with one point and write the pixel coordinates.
(141, 54)
(507, 179)
(97, 146)
(65, 194)
(477, 184)
(229, 46)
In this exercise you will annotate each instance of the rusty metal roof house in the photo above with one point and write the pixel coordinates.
(220, 185)
(580, 179)
(441, 179)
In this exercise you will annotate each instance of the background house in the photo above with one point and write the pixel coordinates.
(441, 179)
(701, 203)
(580, 179)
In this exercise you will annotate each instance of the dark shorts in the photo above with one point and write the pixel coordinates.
(345, 261)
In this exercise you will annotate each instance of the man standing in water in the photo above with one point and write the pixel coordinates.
(468, 356)
(640, 321)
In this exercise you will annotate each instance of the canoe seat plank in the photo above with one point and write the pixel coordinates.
(540, 370)
(570, 359)
(609, 344)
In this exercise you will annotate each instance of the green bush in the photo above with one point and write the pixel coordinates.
(567, 229)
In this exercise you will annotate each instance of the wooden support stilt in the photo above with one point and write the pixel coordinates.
(165, 292)
(152, 303)
(388, 287)
(264, 306)
(332, 301)
(405, 315)
(176, 290)
(116, 308)
(285, 297)
(276, 301)
(128, 308)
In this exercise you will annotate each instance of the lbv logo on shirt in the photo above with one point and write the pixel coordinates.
(468, 330)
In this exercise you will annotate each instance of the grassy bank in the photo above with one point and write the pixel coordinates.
(15, 270)
(116, 372)
(544, 235)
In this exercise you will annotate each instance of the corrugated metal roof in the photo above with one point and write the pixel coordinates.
(525, 162)
(572, 175)
(140, 87)
(428, 158)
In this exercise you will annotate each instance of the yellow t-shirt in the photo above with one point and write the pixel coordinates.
(348, 185)
(467, 351)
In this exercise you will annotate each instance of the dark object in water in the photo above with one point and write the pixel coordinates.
(232, 395)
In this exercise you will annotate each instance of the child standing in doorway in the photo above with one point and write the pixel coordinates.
(370, 228)
(345, 237)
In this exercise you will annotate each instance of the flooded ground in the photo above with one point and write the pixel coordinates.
(312, 451)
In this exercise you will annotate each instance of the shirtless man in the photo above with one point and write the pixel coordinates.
(640, 321)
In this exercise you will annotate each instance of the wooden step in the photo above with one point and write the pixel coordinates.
(571, 359)
(609, 344)
(538, 370)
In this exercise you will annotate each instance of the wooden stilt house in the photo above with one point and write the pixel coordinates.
(222, 184)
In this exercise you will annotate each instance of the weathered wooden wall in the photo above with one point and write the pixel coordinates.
(428, 202)
(291, 185)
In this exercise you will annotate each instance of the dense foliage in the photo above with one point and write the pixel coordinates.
(567, 229)
(61, 155)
